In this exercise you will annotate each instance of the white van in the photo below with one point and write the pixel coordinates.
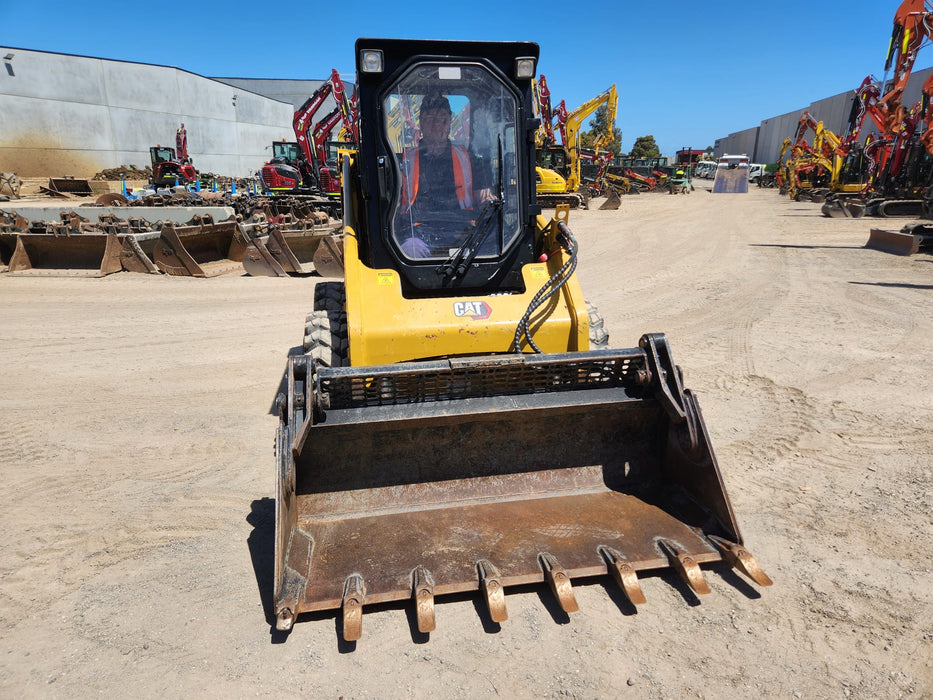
(705, 169)
(755, 171)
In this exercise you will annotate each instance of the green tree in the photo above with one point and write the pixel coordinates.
(598, 127)
(645, 147)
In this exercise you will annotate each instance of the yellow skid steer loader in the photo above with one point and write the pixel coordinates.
(458, 421)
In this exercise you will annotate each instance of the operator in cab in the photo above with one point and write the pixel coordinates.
(443, 183)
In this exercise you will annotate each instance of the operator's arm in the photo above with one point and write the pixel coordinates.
(483, 186)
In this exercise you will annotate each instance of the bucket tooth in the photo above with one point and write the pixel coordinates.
(423, 593)
(741, 559)
(284, 620)
(354, 591)
(625, 576)
(559, 581)
(491, 583)
(686, 566)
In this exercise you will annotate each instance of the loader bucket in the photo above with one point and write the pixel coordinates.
(80, 255)
(474, 474)
(910, 240)
(204, 250)
(612, 201)
(7, 246)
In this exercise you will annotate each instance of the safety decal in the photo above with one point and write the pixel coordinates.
(477, 310)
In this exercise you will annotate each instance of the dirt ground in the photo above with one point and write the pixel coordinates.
(136, 490)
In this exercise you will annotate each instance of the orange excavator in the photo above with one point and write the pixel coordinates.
(910, 168)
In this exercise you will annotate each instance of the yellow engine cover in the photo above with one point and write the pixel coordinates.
(549, 182)
(384, 327)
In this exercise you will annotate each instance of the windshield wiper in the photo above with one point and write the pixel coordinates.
(460, 260)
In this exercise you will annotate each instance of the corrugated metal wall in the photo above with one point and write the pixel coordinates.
(767, 137)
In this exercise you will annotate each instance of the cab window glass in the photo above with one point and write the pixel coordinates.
(451, 129)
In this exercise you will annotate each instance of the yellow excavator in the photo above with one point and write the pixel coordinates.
(457, 421)
(558, 170)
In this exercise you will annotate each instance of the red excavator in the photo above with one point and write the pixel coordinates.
(309, 173)
(172, 166)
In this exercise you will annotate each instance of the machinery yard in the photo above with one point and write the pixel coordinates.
(139, 489)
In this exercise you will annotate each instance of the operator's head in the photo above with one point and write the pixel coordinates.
(435, 119)
(435, 102)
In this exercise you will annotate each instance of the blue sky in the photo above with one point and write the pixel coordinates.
(686, 72)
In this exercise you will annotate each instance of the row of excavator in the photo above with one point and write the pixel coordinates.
(890, 172)
(560, 156)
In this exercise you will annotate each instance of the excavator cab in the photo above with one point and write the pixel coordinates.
(167, 171)
(457, 421)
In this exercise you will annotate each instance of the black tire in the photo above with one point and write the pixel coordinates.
(325, 337)
(599, 336)
(329, 296)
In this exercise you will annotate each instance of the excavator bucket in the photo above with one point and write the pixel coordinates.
(138, 250)
(416, 480)
(908, 241)
(844, 208)
(202, 250)
(613, 201)
(79, 255)
(328, 258)
(270, 256)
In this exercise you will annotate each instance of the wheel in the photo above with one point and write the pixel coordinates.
(599, 336)
(325, 337)
(329, 296)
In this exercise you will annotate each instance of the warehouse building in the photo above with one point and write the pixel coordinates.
(63, 115)
(762, 143)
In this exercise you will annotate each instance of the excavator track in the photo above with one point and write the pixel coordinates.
(574, 200)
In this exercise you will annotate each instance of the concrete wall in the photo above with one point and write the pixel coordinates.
(76, 115)
(294, 92)
(832, 111)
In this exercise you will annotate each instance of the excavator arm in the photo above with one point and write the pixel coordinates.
(545, 113)
(573, 121)
(322, 130)
(913, 25)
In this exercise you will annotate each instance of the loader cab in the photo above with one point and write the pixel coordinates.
(458, 217)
